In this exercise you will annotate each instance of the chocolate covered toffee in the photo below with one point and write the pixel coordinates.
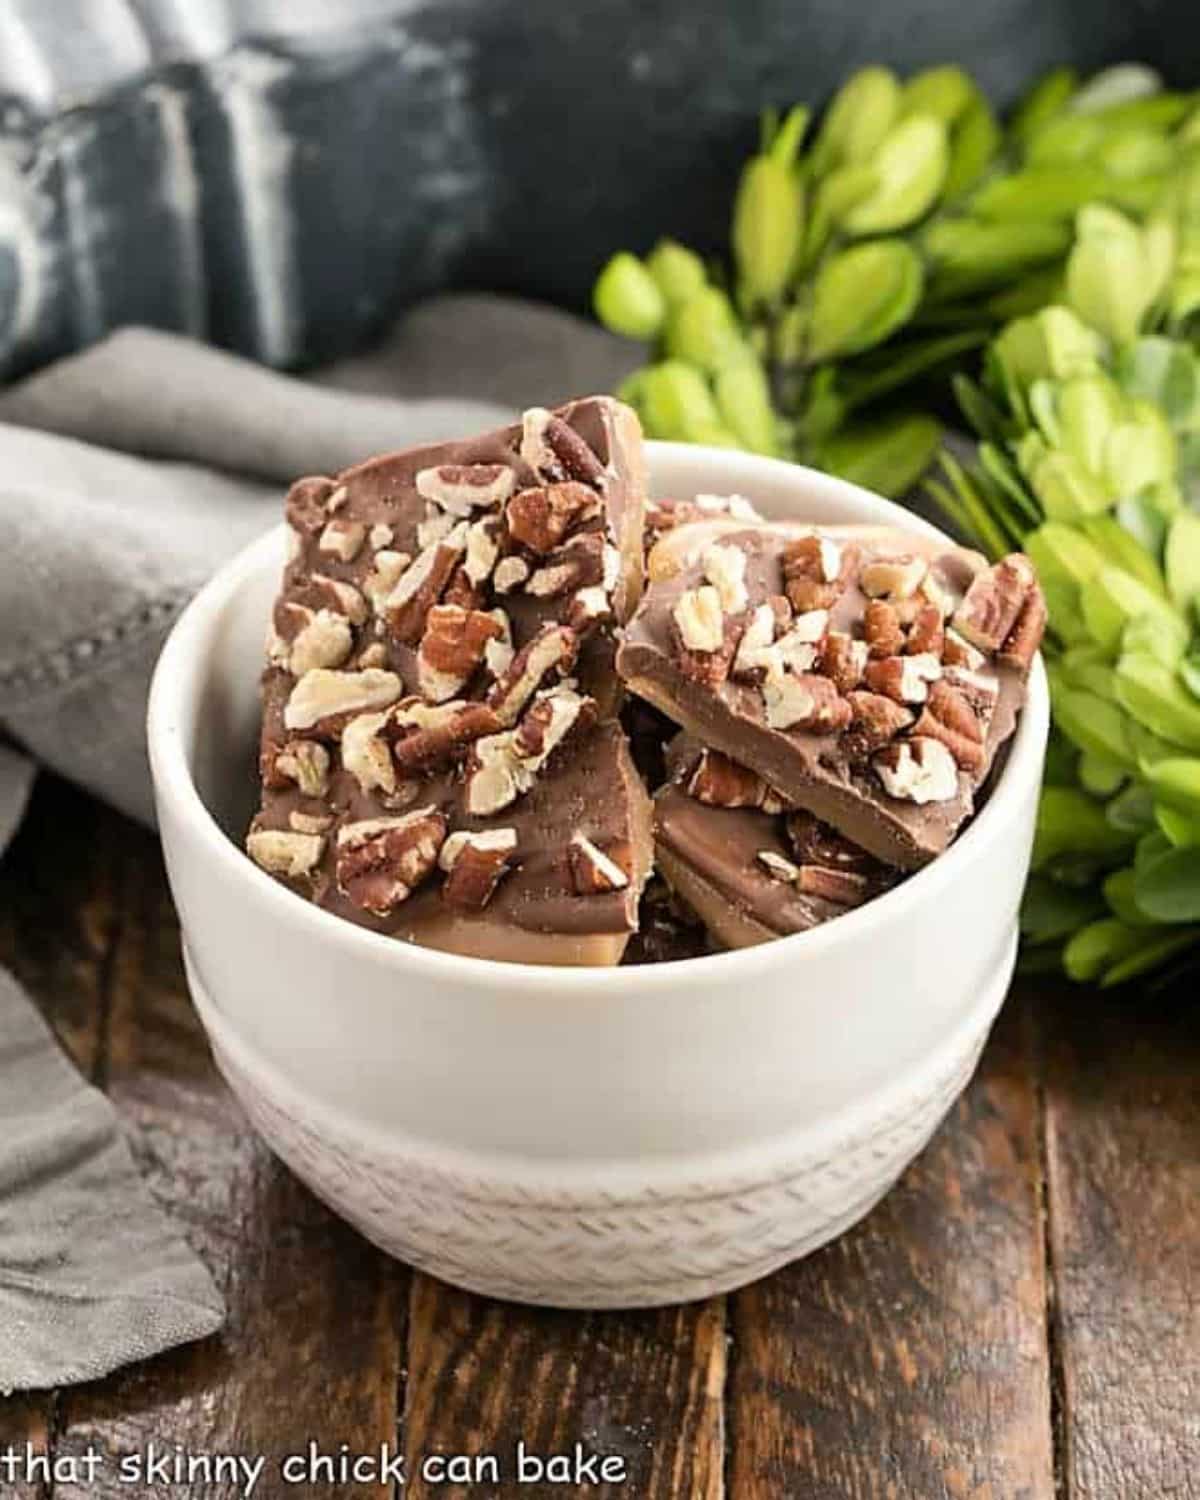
(438, 757)
(868, 678)
(445, 757)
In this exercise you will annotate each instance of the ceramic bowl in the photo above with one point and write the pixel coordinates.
(582, 1138)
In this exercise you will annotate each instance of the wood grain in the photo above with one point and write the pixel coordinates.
(58, 917)
(909, 1358)
(1123, 1174)
(313, 1347)
(644, 1387)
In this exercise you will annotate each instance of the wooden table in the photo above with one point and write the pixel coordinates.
(1019, 1319)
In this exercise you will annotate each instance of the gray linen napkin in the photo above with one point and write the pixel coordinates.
(127, 474)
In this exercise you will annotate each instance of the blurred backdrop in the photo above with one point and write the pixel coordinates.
(281, 176)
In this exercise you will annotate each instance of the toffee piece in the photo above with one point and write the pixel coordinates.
(438, 757)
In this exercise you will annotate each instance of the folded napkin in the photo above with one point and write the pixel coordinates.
(128, 473)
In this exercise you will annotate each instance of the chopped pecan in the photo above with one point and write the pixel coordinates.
(285, 853)
(380, 536)
(307, 822)
(588, 608)
(452, 648)
(475, 864)
(496, 776)
(917, 770)
(421, 586)
(367, 755)
(881, 629)
(595, 871)
(552, 649)
(388, 570)
(980, 689)
(718, 781)
(510, 573)
(381, 861)
(843, 660)
(322, 699)
(554, 450)
(724, 567)
(892, 577)
(462, 592)
(904, 678)
(424, 735)
(343, 538)
(483, 549)
(305, 762)
(959, 652)
(926, 634)
(815, 570)
(325, 640)
(710, 667)
(543, 517)
(805, 701)
(875, 721)
(777, 867)
(306, 502)
(463, 488)
(1022, 642)
(781, 607)
(547, 722)
(756, 657)
(994, 601)
(337, 595)
(948, 717)
(576, 565)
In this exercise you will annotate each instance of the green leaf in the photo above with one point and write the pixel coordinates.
(1153, 694)
(627, 299)
(944, 92)
(1051, 911)
(886, 454)
(974, 144)
(969, 253)
(744, 401)
(704, 331)
(1162, 371)
(1189, 671)
(1114, 597)
(1101, 777)
(1176, 781)
(1152, 954)
(911, 164)
(1181, 559)
(784, 145)
(1120, 893)
(979, 409)
(1120, 84)
(1041, 193)
(858, 118)
(1043, 102)
(675, 401)
(1182, 831)
(1168, 888)
(1145, 524)
(1072, 823)
(1096, 725)
(835, 196)
(1131, 810)
(1107, 274)
(766, 229)
(862, 296)
(1097, 946)
(678, 271)
(1118, 547)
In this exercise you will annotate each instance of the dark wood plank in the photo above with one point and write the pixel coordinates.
(1123, 1175)
(58, 917)
(313, 1348)
(645, 1388)
(909, 1359)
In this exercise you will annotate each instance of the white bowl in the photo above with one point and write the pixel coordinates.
(583, 1138)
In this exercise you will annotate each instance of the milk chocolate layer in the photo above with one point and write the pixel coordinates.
(438, 757)
(831, 762)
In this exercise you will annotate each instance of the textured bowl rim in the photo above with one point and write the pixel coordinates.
(178, 671)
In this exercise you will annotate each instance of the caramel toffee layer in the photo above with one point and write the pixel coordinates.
(868, 677)
(436, 755)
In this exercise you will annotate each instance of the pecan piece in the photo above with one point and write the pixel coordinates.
(463, 488)
(718, 781)
(892, 577)
(325, 640)
(421, 585)
(725, 569)
(577, 565)
(839, 887)
(948, 717)
(543, 517)
(815, 570)
(554, 450)
(805, 701)
(777, 867)
(881, 629)
(462, 592)
(367, 755)
(475, 864)
(282, 853)
(381, 861)
(343, 538)
(706, 637)
(1021, 644)
(875, 721)
(843, 660)
(817, 843)
(594, 871)
(305, 762)
(496, 776)
(904, 678)
(552, 649)
(425, 736)
(322, 699)
(917, 770)
(547, 722)
(452, 648)
(995, 599)
(926, 634)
